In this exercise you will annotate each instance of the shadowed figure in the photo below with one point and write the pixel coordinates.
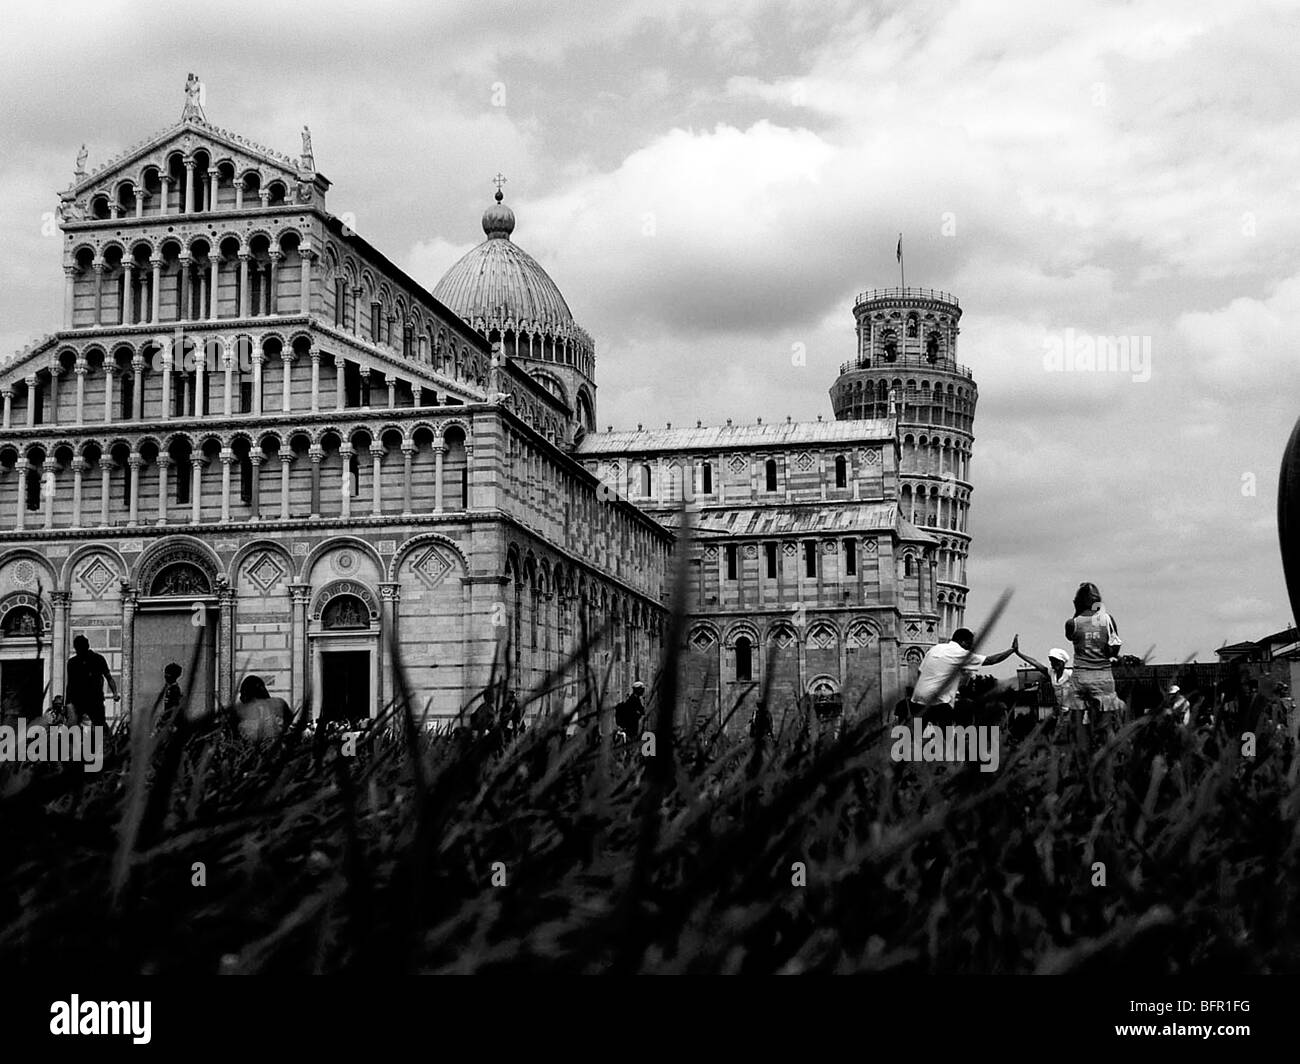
(258, 715)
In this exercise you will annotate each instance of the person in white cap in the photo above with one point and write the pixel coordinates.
(1058, 673)
(1179, 708)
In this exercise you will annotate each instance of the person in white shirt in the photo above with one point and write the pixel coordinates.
(942, 670)
(1058, 673)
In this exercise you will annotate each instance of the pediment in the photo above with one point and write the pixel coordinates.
(186, 137)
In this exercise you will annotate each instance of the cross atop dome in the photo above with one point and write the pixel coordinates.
(498, 219)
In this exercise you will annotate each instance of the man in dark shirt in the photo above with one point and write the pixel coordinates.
(87, 672)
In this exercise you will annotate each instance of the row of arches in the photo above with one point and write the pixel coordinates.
(198, 278)
(937, 456)
(194, 375)
(196, 183)
(742, 641)
(195, 478)
(934, 506)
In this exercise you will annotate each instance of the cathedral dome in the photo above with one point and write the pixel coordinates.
(498, 282)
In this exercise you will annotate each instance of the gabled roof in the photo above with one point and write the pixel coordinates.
(11, 363)
(732, 437)
(197, 126)
(799, 519)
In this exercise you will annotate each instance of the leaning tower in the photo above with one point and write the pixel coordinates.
(906, 366)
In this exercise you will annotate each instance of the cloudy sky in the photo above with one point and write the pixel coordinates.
(711, 182)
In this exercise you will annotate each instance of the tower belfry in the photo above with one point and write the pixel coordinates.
(906, 367)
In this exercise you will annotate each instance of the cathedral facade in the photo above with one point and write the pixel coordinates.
(257, 447)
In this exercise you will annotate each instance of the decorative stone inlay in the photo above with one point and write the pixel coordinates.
(737, 464)
(789, 550)
(266, 571)
(860, 635)
(822, 638)
(25, 572)
(710, 554)
(831, 546)
(96, 576)
(345, 561)
(751, 550)
(431, 567)
(388, 546)
(783, 638)
(702, 639)
(301, 548)
(804, 461)
(871, 456)
(869, 545)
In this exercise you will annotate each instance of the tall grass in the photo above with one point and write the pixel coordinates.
(686, 861)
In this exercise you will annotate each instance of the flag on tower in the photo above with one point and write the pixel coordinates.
(899, 253)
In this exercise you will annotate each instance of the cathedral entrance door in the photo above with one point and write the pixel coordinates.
(186, 636)
(22, 687)
(345, 685)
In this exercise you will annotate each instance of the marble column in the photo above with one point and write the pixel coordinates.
(155, 315)
(62, 603)
(245, 291)
(408, 454)
(196, 490)
(98, 267)
(164, 467)
(227, 456)
(126, 685)
(315, 380)
(134, 463)
(304, 278)
(345, 480)
(137, 392)
(439, 450)
(255, 492)
(301, 596)
(78, 471)
(286, 359)
(286, 460)
(376, 459)
(50, 469)
(316, 455)
(389, 596)
(21, 469)
(105, 482)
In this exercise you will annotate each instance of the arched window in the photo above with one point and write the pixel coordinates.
(744, 658)
(706, 475)
(907, 565)
(771, 474)
(932, 347)
(841, 472)
(345, 612)
(645, 480)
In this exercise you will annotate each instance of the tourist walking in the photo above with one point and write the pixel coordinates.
(87, 673)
